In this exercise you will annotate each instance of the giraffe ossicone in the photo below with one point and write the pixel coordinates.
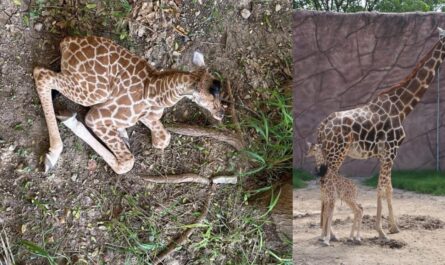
(198, 59)
(121, 89)
(375, 129)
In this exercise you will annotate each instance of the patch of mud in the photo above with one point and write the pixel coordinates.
(375, 241)
(406, 222)
(391, 243)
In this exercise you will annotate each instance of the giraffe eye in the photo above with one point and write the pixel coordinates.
(215, 88)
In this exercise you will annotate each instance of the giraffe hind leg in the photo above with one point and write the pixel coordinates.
(112, 139)
(46, 81)
(328, 222)
(82, 132)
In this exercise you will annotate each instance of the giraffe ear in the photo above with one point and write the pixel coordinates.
(309, 145)
(198, 59)
(441, 31)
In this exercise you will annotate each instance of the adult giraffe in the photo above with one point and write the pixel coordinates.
(375, 129)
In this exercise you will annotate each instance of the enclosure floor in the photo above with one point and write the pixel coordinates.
(422, 246)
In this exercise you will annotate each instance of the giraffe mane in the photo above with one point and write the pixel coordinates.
(408, 78)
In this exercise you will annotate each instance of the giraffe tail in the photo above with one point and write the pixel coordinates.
(321, 215)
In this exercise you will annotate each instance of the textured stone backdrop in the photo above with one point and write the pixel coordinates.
(342, 60)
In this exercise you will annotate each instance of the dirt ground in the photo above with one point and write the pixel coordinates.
(83, 213)
(420, 218)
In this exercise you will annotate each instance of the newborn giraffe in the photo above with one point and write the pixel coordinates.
(121, 89)
(333, 185)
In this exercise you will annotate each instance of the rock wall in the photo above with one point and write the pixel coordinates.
(342, 60)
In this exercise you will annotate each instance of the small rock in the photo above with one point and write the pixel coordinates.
(277, 7)
(38, 27)
(74, 177)
(141, 31)
(245, 13)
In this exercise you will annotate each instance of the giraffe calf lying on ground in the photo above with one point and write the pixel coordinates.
(333, 185)
(121, 89)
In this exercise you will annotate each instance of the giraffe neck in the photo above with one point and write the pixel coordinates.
(319, 160)
(407, 93)
(171, 86)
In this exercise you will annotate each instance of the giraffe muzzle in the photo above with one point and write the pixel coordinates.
(219, 115)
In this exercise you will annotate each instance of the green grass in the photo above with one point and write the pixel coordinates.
(299, 178)
(38, 251)
(271, 148)
(425, 181)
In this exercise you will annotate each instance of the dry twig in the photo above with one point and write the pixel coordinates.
(8, 258)
(191, 177)
(184, 236)
(196, 131)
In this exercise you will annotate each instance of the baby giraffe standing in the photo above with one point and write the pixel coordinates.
(332, 186)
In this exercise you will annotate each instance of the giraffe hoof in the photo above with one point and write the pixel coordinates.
(383, 237)
(334, 239)
(50, 162)
(325, 243)
(394, 230)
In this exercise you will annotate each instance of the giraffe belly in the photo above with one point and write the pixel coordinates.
(357, 152)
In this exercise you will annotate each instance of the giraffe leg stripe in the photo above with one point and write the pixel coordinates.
(82, 132)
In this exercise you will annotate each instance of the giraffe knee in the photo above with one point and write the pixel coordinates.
(36, 71)
(161, 139)
(44, 80)
(91, 120)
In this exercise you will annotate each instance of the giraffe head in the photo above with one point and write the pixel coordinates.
(207, 92)
(316, 151)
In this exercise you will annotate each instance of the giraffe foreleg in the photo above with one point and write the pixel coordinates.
(82, 132)
(111, 137)
(378, 224)
(324, 219)
(160, 137)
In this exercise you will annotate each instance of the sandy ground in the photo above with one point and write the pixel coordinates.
(421, 240)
